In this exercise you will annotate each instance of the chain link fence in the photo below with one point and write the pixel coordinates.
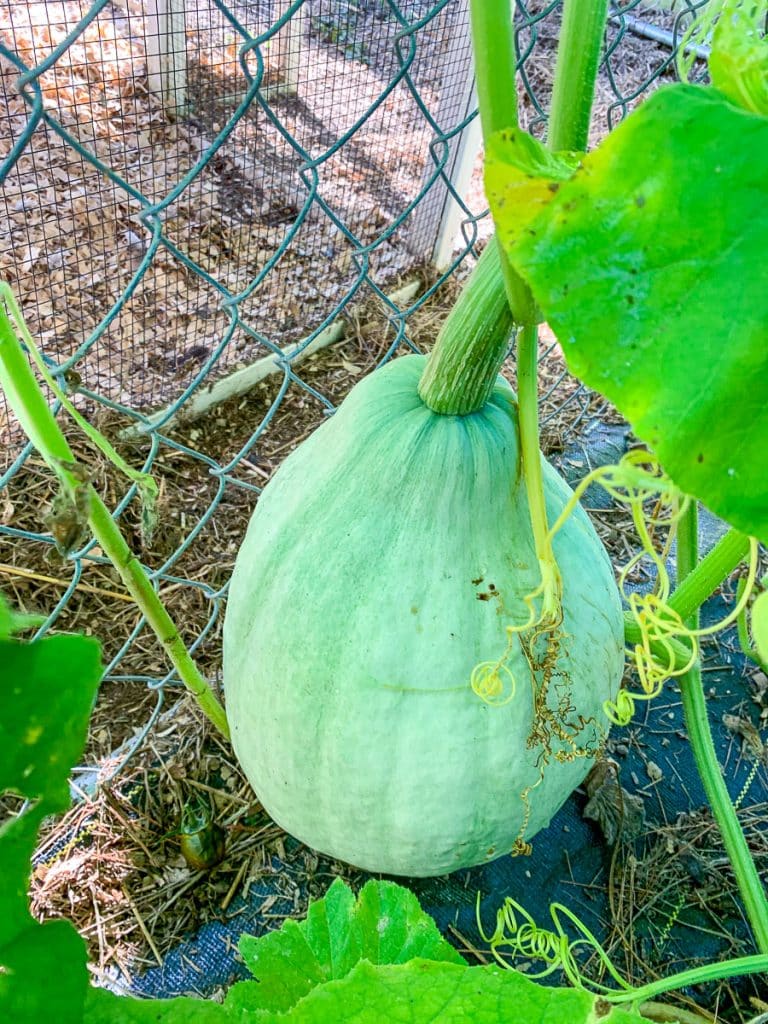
(216, 218)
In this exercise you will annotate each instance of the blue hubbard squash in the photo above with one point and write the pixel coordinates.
(382, 564)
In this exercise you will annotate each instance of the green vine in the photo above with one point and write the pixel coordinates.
(145, 482)
(78, 506)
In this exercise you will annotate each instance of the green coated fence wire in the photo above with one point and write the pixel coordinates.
(223, 194)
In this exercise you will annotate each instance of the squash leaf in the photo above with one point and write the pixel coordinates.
(434, 992)
(102, 1007)
(48, 690)
(313, 973)
(649, 265)
(45, 720)
(43, 970)
(418, 992)
(17, 843)
(521, 177)
(385, 925)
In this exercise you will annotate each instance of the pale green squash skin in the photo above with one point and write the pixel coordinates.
(353, 625)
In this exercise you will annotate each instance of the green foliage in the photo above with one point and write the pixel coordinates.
(43, 730)
(12, 622)
(425, 991)
(385, 925)
(649, 266)
(48, 691)
(418, 992)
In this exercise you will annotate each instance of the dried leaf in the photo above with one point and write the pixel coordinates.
(618, 813)
(753, 745)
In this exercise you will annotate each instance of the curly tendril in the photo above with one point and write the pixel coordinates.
(656, 505)
(517, 933)
(488, 681)
(634, 481)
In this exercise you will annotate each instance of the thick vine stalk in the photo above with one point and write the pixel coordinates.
(705, 755)
(34, 414)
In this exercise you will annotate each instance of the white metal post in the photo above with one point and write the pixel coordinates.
(469, 144)
(285, 61)
(166, 42)
(436, 219)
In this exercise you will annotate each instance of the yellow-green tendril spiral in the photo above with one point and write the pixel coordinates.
(657, 506)
(637, 479)
(486, 678)
(493, 682)
(517, 934)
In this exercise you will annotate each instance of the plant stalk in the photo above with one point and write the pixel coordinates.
(578, 57)
(457, 347)
(702, 744)
(681, 651)
(695, 976)
(462, 367)
(528, 399)
(694, 589)
(35, 416)
(493, 43)
(702, 581)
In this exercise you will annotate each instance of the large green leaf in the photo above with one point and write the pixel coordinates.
(385, 925)
(320, 971)
(418, 992)
(48, 689)
(43, 975)
(649, 264)
(47, 692)
(102, 1007)
(17, 844)
(430, 992)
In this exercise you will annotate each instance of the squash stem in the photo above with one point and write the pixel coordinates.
(735, 968)
(31, 409)
(493, 43)
(702, 744)
(462, 368)
(693, 590)
(679, 650)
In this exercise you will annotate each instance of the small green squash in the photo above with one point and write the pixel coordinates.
(382, 564)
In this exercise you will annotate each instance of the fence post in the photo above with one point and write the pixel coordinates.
(437, 217)
(166, 42)
(284, 62)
